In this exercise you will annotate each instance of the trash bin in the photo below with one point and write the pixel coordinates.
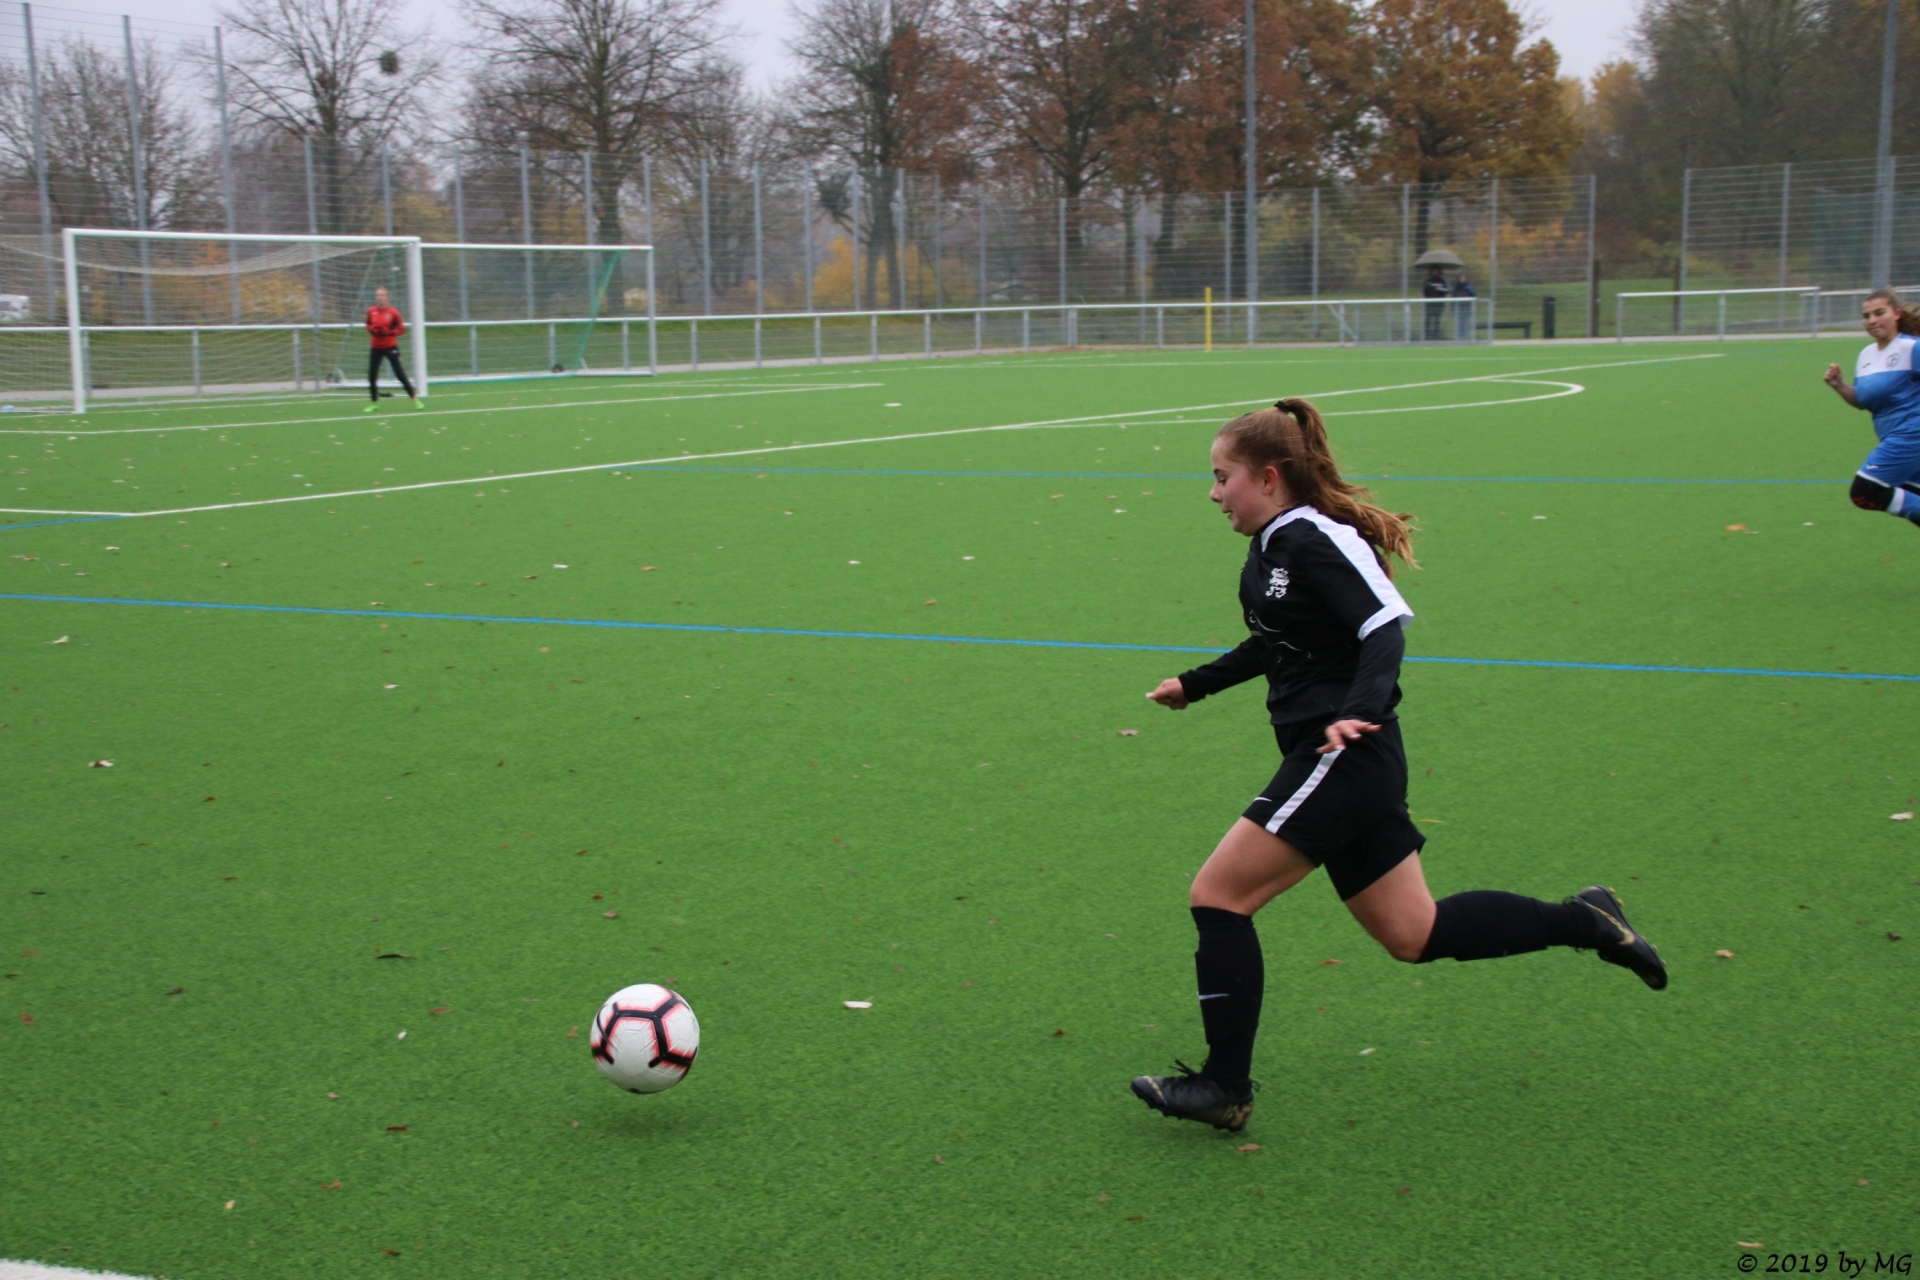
(1546, 316)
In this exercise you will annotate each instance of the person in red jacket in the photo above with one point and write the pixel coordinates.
(384, 327)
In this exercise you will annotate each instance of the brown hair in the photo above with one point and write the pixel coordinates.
(1909, 314)
(1291, 438)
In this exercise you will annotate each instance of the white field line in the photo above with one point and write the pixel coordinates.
(1087, 420)
(1570, 389)
(42, 511)
(40, 1271)
(425, 414)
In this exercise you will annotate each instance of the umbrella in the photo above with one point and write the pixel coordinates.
(1439, 258)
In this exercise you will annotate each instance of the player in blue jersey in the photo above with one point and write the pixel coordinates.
(1886, 383)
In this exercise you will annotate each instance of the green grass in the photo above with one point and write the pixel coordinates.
(956, 832)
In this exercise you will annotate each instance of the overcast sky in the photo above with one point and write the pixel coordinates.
(1586, 32)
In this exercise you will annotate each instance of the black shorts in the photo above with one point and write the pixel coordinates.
(1346, 810)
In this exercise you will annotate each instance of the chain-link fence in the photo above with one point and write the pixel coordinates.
(1833, 224)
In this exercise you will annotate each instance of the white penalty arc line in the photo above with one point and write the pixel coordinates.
(426, 414)
(1086, 420)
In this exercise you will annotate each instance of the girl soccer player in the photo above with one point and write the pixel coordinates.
(384, 328)
(1325, 622)
(1886, 384)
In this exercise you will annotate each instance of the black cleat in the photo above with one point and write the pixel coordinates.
(1193, 1096)
(1621, 945)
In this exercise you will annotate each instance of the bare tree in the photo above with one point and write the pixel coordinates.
(341, 73)
(89, 145)
(1059, 70)
(614, 77)
(886, 99)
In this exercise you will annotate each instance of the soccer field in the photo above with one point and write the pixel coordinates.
(429, 729)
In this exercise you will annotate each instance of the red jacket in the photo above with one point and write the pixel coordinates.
(385, 325)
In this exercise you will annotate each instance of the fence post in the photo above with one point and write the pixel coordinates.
(1593, 279)
(1786, 204)
(526, 219)
(1686, 231)
(386, 185)
(806, 229)
(1406, 240)
(1226, 232)
(901, 240)
(460, 231)
(226, 164)
(706, 240)
(313, 229)
(139, 165)
(1063, 251)
(1316, 262)
(1493, 259)
(1882, 266)
(653, 313)
(759, 259)
(853, 196)
(981, 297)
(40, 159)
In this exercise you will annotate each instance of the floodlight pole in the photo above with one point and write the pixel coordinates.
(1252, 236)
(417, 304)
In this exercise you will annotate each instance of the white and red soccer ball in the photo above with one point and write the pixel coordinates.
(644, 1038)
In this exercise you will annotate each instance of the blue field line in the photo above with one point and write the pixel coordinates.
(615, 624)
(1191, 475)
(41, 524)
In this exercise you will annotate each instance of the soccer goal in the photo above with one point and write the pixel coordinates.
(160, 313)
(526, 310)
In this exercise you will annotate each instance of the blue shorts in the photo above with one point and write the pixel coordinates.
(1895, 461)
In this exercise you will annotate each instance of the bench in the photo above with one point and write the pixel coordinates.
(1525, 326)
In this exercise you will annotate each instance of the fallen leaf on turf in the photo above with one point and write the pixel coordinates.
(437, 1012)
(389, 1253)
(393, 955)
(648, 568)
(858, 1004)
(559, 566)
(1862, 1182)
(1750, 1244)
(939, 1159)
(229, 1206)
(61, 640)
(1059, 1032)
(929, 602)
(1408, 1190)
(100, 764)
(1893, 937)
(572, 1032)
(1324, 963)
(1903, 817)
(1136, 1217)
(177, 991)
(26, 1019)
(208, 800)
(1724, 955)
(396, 1128)
(1365, 1052)
(401, 1036)
(1104, 1197)
(611, 915)
(331, 1186)
(389, 686)
(1248, 1146)
(1129, 733)
(333, 1097)
(1736, 528)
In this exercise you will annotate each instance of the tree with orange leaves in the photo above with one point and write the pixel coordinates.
(1458, 96)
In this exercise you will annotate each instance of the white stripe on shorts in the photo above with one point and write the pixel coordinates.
(1299, 797)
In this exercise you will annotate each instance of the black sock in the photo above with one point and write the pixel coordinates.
(1233, 978)
(1486, 923)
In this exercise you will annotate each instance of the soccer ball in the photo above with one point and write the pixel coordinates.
(644, 1038)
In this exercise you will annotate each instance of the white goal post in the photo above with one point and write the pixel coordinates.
(185, 312)
(273, 254)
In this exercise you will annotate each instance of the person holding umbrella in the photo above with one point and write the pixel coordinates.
(1435, 290)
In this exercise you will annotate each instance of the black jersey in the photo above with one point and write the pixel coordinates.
(1312, 590)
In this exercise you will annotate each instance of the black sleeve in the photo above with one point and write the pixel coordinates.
(1375, 673)
(1236, 666)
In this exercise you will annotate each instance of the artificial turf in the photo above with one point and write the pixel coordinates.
(201, 1073)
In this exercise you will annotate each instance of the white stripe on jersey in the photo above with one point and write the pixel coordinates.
(1358, 554)
(1299, 797)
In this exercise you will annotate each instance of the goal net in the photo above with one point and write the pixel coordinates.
(176, 313)
(517, 311)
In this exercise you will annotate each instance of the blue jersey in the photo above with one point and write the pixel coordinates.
(1887, 385)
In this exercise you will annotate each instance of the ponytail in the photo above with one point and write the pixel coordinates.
(1291, 438)
(1909, 314)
